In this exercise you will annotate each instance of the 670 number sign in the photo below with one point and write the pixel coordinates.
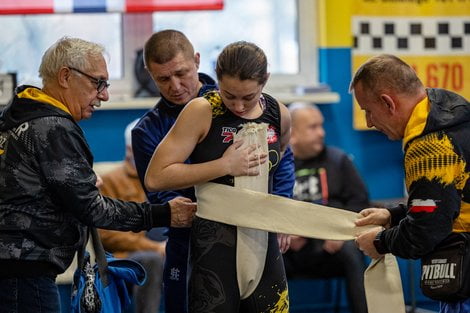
(442, 75)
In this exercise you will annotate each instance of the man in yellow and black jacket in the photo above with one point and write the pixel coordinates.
(435, 127)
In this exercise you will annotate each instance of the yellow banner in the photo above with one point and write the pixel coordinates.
(334, 16)
(450, 72)
(334, 23)
(433, 36)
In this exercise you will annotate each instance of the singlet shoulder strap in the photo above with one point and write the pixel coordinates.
(218, 108)
(273, 109)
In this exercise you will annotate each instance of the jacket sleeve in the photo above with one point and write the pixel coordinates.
(145, 138)
(66, 164)
(432, 172)
(284, 177)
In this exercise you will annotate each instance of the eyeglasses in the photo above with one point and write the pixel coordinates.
(101, 84)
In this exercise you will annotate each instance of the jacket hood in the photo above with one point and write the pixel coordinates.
(23, 108)
(448, 109)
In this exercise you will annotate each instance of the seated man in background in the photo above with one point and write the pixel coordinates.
(123, 183)
(325, 175)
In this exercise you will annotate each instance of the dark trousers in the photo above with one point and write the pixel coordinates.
(29, 295)
(313, 262)
(175, 273)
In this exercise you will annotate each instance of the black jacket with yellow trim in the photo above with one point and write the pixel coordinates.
(47, 189)
(437, 170)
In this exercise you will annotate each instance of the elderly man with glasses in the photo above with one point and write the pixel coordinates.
(48, 192)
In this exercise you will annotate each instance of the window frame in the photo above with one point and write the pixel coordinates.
(133, 39)
(308, 68)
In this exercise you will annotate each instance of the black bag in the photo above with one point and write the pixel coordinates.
(445, 272)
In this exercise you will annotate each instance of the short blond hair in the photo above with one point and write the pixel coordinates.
(70, 52)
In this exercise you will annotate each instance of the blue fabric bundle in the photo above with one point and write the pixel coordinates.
(102, 288)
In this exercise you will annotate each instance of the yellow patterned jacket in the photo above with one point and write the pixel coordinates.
(437, 167)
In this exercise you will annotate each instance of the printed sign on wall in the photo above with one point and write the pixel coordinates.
(433, 36)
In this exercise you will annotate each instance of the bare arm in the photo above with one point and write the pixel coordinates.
(167, 169)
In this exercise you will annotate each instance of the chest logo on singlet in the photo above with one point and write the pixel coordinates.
(272, 136)
(227, 134)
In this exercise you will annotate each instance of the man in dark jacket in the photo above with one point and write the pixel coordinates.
(47, 186)
(325, 175)
(171, 61)
(435, 127)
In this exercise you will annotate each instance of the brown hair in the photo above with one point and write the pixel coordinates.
(164, 45)
(387, 72)
(243, 60)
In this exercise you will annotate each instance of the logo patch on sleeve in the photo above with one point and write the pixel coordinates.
(426, 206)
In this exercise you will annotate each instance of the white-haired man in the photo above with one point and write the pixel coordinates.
(48, 192)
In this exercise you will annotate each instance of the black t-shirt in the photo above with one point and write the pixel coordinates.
(330, 179)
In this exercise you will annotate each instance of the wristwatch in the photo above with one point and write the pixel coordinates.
(379, 246)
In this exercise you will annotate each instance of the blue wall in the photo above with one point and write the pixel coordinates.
(105, 132)
(378, 159)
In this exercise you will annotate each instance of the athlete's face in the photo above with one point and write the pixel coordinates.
(241, 97)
